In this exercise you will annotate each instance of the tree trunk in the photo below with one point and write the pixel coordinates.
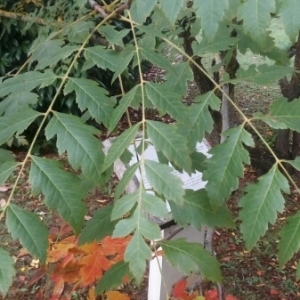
(290, 90)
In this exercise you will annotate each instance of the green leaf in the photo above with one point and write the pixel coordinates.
(136, 253)
(298, 271)
(125, 204)
(289, 239)
(256, 16)
(262, 75)
(141, 9)
(98, 226)
(127, 176)
(119, 145)
(113, 36)
(157, 59)
(154, 206)
(164, 182)
(7, 271)
(28, 228)
(92, 97)
(138, 222)
(261, 204)
(199, 119)
(191, 257)
(178, 80)
(104, 58)
(5, 155)
(166, 100)
(61, 190)
(6, 170)
(221, 42)
(288, 11)
(84, 149)
(210, 13)
(113, 277)
(26, 82)
(226, 164)
(171, 8)
(197, 211)
(150, 203)
(284, 114)
(16, 123)
(295, 163)
(173, 145)
(121, 108)
(79, 31)
(17, 102)
(51, 52)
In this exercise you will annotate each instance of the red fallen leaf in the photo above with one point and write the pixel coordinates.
(211, 295)
(40, 273)
(274, 292)
(259, 272)
(179, 289)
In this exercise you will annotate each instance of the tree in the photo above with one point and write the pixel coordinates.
(192, 29)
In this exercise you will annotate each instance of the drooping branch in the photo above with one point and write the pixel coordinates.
(119, 10)
(21, 17)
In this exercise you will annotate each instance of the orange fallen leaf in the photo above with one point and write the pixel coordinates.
(113, 295)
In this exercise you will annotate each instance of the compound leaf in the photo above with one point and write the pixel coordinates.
(210, 14)
(171, 8)
(164, 182)
(262, 75)
(28, 228)
(84, 149)
(173, 145)
(288, 11)
(7, 271)
(284, 114)
(261, 204)
(6, 169)
(256, 16)
(120, 145)
(191, 257)
(136, 254)
(197, 211)
(118, 112)
(289, 239)
(166, 101)
(199, 119)
(61, 190)
(92, 97)
(113, 277)
(16, 123)
(26, 82)
(98, 226)
(177, 81)
(17, 102)
(226, 164)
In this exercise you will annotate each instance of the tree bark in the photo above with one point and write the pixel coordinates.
(290, 90)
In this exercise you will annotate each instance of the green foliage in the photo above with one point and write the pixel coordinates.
(264, 200)
(7, 271)
(68, 64)
(191, 257)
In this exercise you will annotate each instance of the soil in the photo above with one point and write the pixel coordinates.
(247, 275)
